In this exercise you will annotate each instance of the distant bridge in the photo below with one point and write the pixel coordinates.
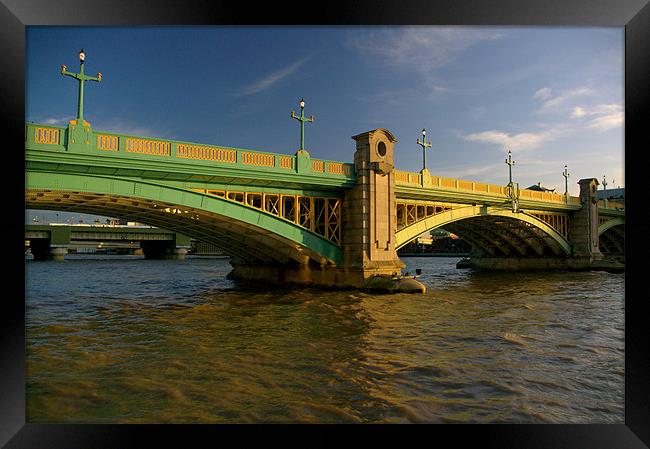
(53, 241)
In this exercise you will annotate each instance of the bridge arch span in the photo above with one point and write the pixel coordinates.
(611, 237)
(494, 231)
(249, 234)
(604, 227)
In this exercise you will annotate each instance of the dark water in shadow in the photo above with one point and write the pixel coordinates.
(134, 341)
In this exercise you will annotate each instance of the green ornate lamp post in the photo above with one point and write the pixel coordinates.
(512, 190)
(302, 119)
(81, 77)
(605, 190)
(566, 183)
(424, 146)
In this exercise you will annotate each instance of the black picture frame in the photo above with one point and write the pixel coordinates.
(15, 15)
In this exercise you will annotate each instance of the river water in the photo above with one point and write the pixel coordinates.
(127, 340)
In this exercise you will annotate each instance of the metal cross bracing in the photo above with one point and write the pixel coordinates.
(612, 241)
(321, 215)
(410, 212)
(604, 219)
(494, 235)
(558, 221)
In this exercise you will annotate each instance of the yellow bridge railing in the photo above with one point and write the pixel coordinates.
(412, 178)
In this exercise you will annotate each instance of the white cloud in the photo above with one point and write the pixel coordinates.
(475, 172)
(521, 141)
(578, 112)
(272, 78)
(605, 116)
(609, 121)
(56, 121)
(418, 48)
(565, 96)
(120, 127)
(543, 93)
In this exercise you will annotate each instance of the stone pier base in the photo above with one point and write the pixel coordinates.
(58, 253)
(42, 250)
(163, 250)
(546, 263)
(326, 277)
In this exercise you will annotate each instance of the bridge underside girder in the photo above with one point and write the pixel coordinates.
(248, 244)
(612, 241)
(496, 236)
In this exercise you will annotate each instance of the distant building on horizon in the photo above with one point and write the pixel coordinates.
(539, 188)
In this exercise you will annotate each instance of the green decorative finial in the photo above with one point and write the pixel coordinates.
(424, 146)
(302, 119)
(81, 77)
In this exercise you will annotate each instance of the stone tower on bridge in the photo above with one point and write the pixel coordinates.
(369, 221)
(584, 226)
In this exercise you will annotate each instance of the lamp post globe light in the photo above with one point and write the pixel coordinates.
(510, 163)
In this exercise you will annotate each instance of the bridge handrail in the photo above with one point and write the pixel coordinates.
(56, 137)
(436, 182)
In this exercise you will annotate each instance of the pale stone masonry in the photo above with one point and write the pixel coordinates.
(369, 220)
(584, 223)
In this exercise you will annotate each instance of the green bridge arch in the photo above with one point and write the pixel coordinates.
(610, 224)
(409, 233)
(249, 232)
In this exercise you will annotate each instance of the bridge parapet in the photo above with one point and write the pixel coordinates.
(56, 138)
(439, 183)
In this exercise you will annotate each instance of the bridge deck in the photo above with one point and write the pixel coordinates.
(215, 166)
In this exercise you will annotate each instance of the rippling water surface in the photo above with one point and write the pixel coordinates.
(130, 340)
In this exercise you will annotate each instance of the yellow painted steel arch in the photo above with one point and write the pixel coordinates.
(610, 224)
(439, 220)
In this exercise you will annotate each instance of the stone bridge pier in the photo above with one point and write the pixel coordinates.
(368, 228)
(369, 220)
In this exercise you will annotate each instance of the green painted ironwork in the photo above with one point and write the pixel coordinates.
(424, 146)
(107, 153)
(510, 163)
(616, 221)
(302, 119)
(288, 234)
(566, 182)
(81, 77)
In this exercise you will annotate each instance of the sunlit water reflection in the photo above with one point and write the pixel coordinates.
(130, 340)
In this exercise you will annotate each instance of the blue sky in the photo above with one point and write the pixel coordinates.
(552, 95)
